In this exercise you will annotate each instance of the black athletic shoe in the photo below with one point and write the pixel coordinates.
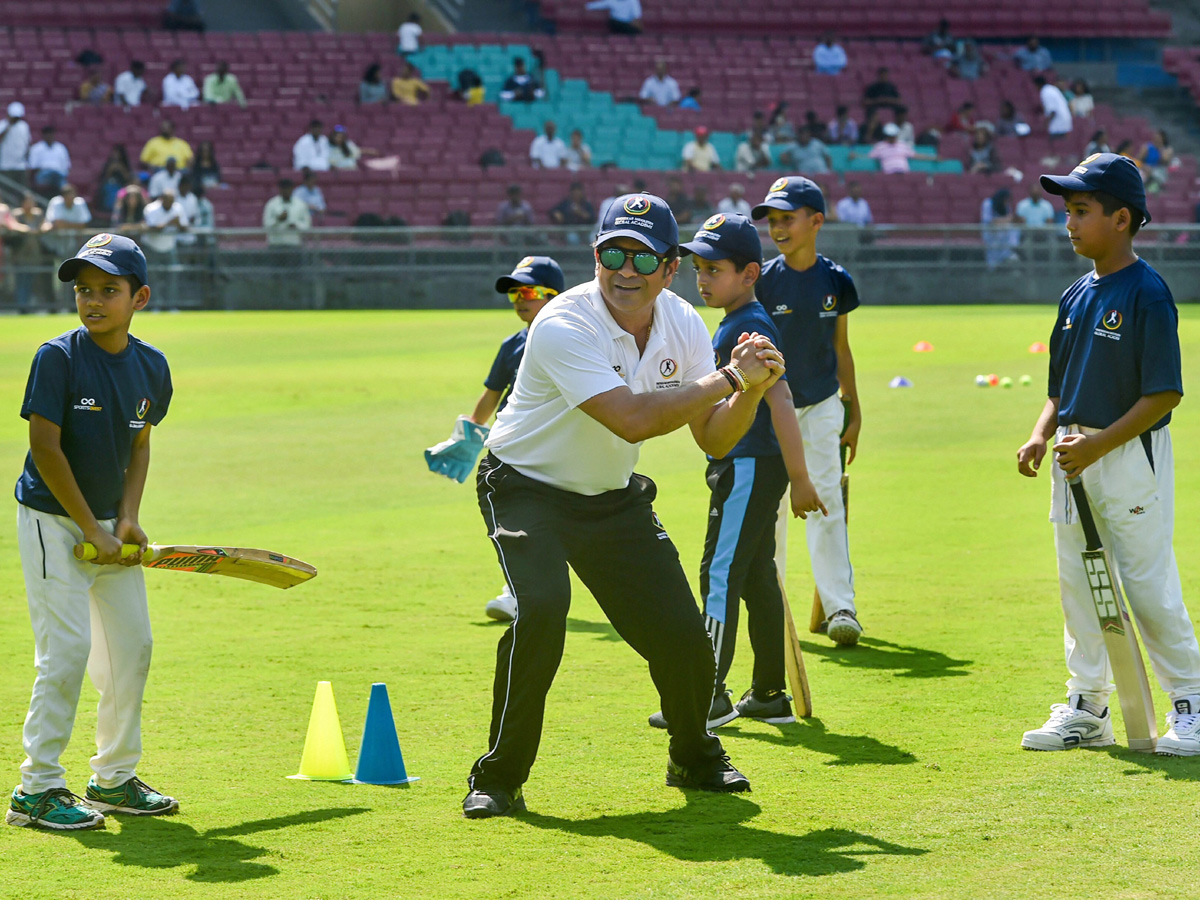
(774, 708)
(720, 713)
(486, 803)
(722, 778)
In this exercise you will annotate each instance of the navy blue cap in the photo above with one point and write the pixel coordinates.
(1108, 172)
(643, 217)
(534, 270)
(112, 253)
(722, 236)
(791, 192)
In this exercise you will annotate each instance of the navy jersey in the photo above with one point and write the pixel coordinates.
(101, 401)
(760, 439)
(805, 307)
(1116, 339)
(504, 367)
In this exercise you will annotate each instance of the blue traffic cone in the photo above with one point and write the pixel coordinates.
(379, 758)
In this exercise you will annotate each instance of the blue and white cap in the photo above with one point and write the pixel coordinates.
(1108, 172)
(725, 235)
(112, 253)
(789, 193)
(541, 270)
(643, 217)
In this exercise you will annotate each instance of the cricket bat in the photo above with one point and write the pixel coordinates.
(1124, 654)
(793, 660)
(262, 566)
(818, 608)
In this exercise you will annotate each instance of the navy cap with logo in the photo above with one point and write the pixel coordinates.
(722, 236)
(1108, 172)
(534, 270)
(643, 217)
(791, 192)
(112, 253)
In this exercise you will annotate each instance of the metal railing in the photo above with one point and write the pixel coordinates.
(247, 268)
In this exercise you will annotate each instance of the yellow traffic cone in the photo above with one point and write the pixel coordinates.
(324, 756)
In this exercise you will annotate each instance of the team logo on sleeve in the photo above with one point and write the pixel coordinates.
(712, 223)
(667, 368)
(829, 302)
(779, 185)
(1112, 320)
(637, 206)
(99, 240)
(143, 407)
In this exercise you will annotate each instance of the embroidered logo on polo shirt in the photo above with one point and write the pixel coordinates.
(637, 206)
(829, 302)
(781, 309)
(1137, 511)
(667, 368)
(1112, 320)
(88, 403)
(143, 407)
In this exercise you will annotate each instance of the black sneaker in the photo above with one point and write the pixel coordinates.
(774, 709)
(720, 713)
(722, 778)
(486, 803)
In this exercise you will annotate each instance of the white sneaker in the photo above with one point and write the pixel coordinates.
(843, 628)
(503, 608)
(1071, 726)
(1183, 730)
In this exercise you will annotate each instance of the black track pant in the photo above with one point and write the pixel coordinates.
(739, 562)
(619, 550)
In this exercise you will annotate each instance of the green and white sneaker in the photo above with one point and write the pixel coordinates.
(57, 809)
(134, 797)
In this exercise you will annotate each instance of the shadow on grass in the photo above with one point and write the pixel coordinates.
(908, 662)
(602, 630)
(166, 843)
(1173, 768)
(711, 828)
(846, 749)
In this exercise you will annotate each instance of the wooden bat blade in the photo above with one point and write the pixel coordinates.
(793, 660)
(817, 616)
(1124, 654)
(260, 566)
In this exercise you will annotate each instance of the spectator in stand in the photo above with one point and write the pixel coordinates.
(114, 176)
(854, 209)
(521, 85)
(968, 64)
(962, 120)
(678, 199)
(23, 248)
(178, 88)
(311, 150)
(829, 57)
(752, 155)
(1033, 57)
(310, 192)
(343, 152)
(1010, 122)
(1125, 148)
(842, 129)
(206, 170)
(736, 202)
(285, 216)
(1054, 108)
(778, 129)
(579, 154)
(130, 85)
(202, 215)
(1082, 104)
(128, 212)
(67, 211)
(514, 209)
(574, 210)
(940, 44)
(1000, 238)
(469, 87)
(408, 87)
(164, 218)
(814, 125)
(372, 89)
(1035, 210)
(408, 35)
(692, 100)
(624, 16)
(183, 15)
(982, 157)
(660, 88)
(94, 89)
(619, 191)
(701, 206)
(49, 161)
(222, 86)
(1098, 143)
(908, 134)
(758, 125)
(892, 155)
(547, 151)
(881, 93)
(1155, 158)
(165, 179)
(15, 140)
(698, 154)
(806, 155)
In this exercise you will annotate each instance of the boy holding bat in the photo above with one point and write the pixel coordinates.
(91, 399)
(1114, 379)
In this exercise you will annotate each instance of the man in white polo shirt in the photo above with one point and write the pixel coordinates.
(607, 365)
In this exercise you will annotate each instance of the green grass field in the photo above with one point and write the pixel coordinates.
(303, 432)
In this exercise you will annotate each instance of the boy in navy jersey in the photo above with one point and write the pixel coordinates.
(1114, 379)
(93, 395)
(747, 485)
(532, 284)
(808, 297)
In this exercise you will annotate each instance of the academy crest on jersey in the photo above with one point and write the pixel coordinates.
(830, 302)
(1112, 320)
(99, 240)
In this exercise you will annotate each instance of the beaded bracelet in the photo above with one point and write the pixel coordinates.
(741, 376)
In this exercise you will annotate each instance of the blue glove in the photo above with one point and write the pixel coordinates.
(455, 458)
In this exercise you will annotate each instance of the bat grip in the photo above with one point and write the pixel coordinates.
(1090, 532)
(87, 550)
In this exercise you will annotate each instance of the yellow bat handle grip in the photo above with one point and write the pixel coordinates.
(87, 550)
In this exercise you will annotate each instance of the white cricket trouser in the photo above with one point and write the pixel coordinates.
(83, 616)
(828, 543)
(1134, 509)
